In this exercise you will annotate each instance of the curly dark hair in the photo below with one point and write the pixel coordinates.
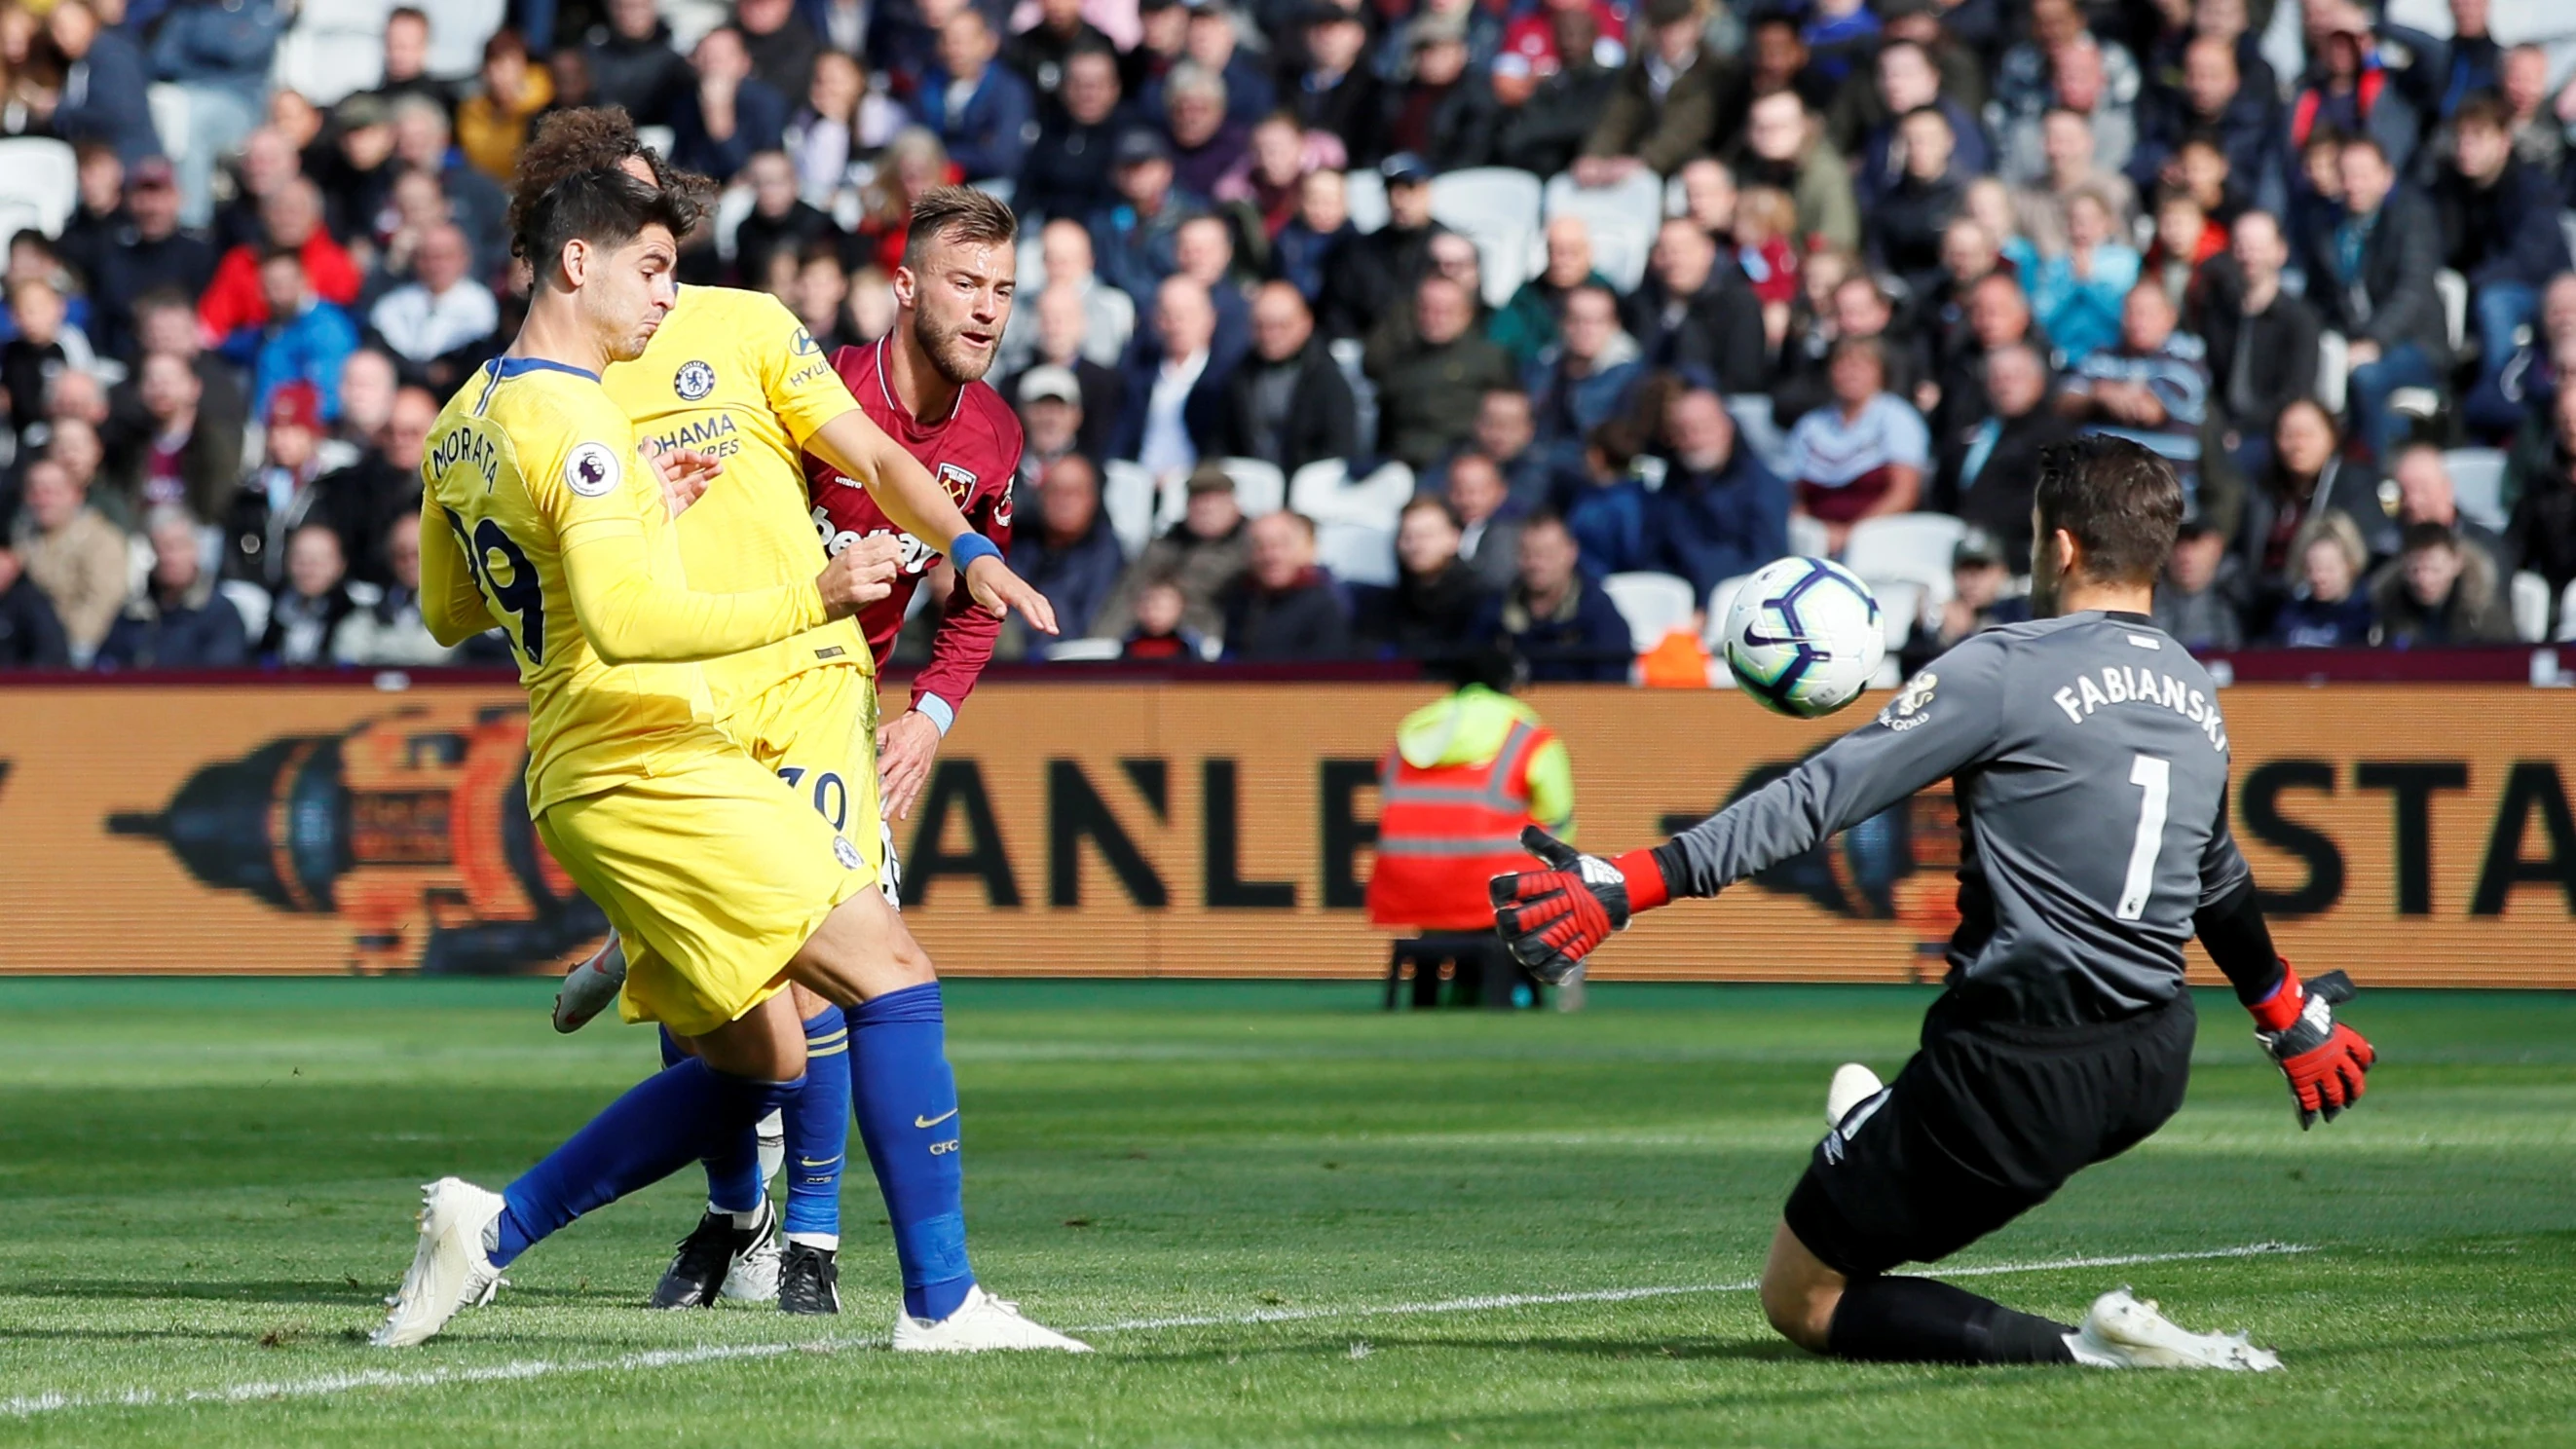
(593, 138)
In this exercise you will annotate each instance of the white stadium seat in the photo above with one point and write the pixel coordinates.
(2477, 484)
(1366, 191)
(1324, 492)
(1911, 546)
(2530, 599)
(326, 65)
(660, 138)
(692, 19)
(2454, 291)
(2334, 370)
(1084, 651)
(169, 106)
(732, 205)
(457, 30)
(1806, 537)
(1653, 604)
(2567, 615)
(1497, 208)
(1757, 429)
(39, 183)
(1720, 599)
(1622, 218)
(1901, 602)
(1127, 496)
(1259, 487)
(1355, 552)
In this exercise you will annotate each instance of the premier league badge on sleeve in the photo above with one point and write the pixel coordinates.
(695, 381)
(591, 470)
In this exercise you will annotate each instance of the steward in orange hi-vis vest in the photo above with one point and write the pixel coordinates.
(1466, 773)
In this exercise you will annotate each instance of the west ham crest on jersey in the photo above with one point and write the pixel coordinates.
(695, 381)
(959, 483)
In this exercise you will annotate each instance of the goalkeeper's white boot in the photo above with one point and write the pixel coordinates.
(1853, 1084)
(591, 987)
(448, 1266)
(2125, 1331)
(981, 1324)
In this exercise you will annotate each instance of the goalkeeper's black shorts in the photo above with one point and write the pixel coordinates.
(1985, 1122)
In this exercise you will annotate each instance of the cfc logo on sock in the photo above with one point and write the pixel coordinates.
(942, 1149)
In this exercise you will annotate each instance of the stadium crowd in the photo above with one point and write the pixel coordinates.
(1353, 328)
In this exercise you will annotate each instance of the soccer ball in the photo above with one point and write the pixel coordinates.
(1803, 636)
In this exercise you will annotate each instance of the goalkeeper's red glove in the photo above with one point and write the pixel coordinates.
(2326, 1062)
(1551, 919)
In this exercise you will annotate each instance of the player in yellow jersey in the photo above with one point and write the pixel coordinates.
(687, 844)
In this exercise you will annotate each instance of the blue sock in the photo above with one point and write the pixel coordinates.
(733, 1172)
(662, 1123)
(818, 1129)
(907, 1110)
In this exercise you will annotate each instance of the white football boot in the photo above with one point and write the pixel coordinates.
(447, 1267)
(981, 1324)
(1853, 1084)
(2123, 1330)
(590, 988)
(752, 1277)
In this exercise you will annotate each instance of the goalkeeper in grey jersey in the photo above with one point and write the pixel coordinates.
(2089, 760)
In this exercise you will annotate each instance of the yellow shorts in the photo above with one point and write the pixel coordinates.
(816, 734)
(713, 873)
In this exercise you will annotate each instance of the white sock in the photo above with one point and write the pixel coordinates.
(742, 1222)
(828, 1242)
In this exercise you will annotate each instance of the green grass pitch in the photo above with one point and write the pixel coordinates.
(207, 1187)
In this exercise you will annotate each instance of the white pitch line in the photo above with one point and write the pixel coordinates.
(27, 1406)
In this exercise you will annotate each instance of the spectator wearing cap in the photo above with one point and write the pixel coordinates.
(1590, 374)
(389, 630)
(1284, 608)
(2195, 600)
(1336, 92)
(1429, 390)
(306, 338)
(291, 485)
(1663, 109)
(31, 633)
(442, 321)
(1544, 110)
(1783, 147)
(1099, 393)
(1981, 598)
(1207, 144)
(177, 450)
(1864, 453)
(103, 83)
(1043, 54)
(633, 64)
(1430, 611)
(1989, 469)
(73, 554)
(1053, 420)
(1210, 43)
(1199, 556)
(315, 597)
(2262, 341)
(1565, 626)
(1288, 403)
(492, 124)
(234, 307)
(981, 110)
(781, 45)
(1719, 513)
(151, 254)
(176, 619)
(2500, 230)
(1373, 272)
(1175, 382)
(1136, 238)
(219, 55)
(1444, 109)
(356, 169)
(730, 112)
(1067, 171)
(2151, 387)
(1072, 555)
(2439, 591)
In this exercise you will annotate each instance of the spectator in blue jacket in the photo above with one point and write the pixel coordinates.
(1607, 514)
(731, 114)
(1720, 513)
(982, 111)
(104, 82)
(1135, 243)
(177, 620)
(1565, 626)
(1589, 375)
(2500, 228)
(2330, 609)
(1072, 556)
(307, 338)
(218, 53)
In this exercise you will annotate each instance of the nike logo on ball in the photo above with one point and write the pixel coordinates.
(934, 1121)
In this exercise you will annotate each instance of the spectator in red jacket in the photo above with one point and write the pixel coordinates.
(293, 219)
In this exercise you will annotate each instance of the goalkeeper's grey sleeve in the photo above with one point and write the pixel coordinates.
(1945, 719)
